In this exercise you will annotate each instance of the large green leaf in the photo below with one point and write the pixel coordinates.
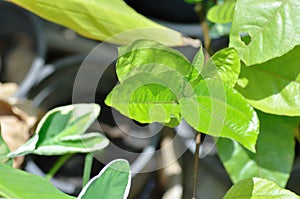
(274, 86)
(18, 184)
(225, 64)
(257, 188)
(222, 13)
(101, 19)
(4, 150)
(221, 112)
(146, 56)
(61, 131)
(148, 97)
(274, 155)
(273, 27)
(112, 182)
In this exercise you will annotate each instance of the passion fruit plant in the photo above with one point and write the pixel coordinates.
(246, 95)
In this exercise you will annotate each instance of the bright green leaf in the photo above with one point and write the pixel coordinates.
(257, 188)
(274, 155)
(112, 182)
(61, 131)
(274, 86)
(18, 184)
(221, 112)
(272, 26)
(224, 64)
(148, 97)
(198, 61)
(222, 13)
(102, 19)
(146, 55)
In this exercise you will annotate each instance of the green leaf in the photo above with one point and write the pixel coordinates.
(274, 86)
(61, 131)
(272, 26)
(198, 61)
(222, 13)
(274, 155)
(15, 183)
(256, 188)
(221, 112)
(146, 56)
(4, 150)
(148, 97)
(224, 64)
(102, 19)
(112, 182)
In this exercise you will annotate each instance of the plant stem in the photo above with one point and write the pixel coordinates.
(196, 163)
(200, 10)
(87, 169)
(58, 164)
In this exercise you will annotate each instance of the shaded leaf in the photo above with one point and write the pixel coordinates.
(221, 112)
(274, 155)
(15, 183)
(112, 182)
(272, 27)
(222, 13)
(274, 86)
(57, 128)
(101, 19)
(258, 188)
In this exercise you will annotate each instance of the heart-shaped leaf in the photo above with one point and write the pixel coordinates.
(274, 155)
(112, 182)
(272, 28)
(61, 131)
(102, 19)
(15, 183)
(273, 86)
(255, 188)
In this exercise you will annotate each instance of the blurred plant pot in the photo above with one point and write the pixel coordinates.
(22, 44)
(54, 88)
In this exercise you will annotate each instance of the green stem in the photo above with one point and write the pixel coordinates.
(87, 168)
(58, 164)
(196, 164)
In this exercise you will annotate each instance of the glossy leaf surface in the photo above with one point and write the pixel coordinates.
(15, 183)
(273, 27)
(255, 188)
(274, 155)
(61, 131)
(221, 112)
(112, 182)
(225, 65)
(101, 19)
(274, 86)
